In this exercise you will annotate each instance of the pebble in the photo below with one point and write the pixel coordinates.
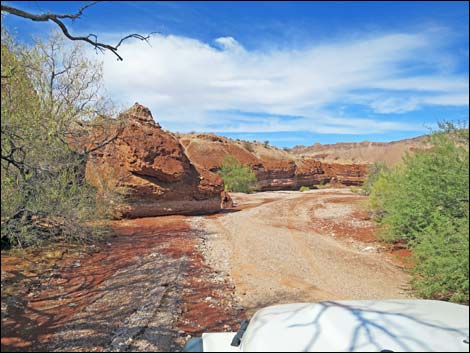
(368, 249)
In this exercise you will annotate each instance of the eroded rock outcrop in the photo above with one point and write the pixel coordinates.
(275, 169)
(158, 173)
(148, 166)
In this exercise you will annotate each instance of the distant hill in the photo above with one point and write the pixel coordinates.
(389, 153)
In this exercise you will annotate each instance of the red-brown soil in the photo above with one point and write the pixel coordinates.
(41, 304)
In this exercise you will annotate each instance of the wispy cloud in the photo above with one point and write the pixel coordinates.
(192, 85)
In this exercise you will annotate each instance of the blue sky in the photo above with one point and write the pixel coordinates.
(291, 73)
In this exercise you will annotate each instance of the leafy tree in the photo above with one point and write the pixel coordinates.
(50, 102)
(237, 177)
(424, 201)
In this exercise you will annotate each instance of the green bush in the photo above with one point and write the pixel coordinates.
(304, 188)
(441, 255)
(237, 177)
(424, 201)
(373, 173)
(44, 194)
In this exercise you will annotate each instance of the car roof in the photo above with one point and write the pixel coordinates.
(369, 325)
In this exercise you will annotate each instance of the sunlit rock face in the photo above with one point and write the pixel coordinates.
(275, 169)
(149, 167)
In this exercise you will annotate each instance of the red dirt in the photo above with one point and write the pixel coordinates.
(364, 232)
(42, 301)
(345, 228)
(35, 319)
(200, 315)
(401, 254)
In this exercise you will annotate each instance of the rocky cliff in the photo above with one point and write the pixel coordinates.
(160, 173)
(275, 169)
(149, 168)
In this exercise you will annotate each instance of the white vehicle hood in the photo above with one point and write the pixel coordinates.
(373, 326)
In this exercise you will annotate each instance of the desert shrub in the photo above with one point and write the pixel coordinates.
(304, 188)
(237, 177)
(323, 184)
(424, 201)
(441, 255)
(373, 173)
(266, 143)
(50, 94)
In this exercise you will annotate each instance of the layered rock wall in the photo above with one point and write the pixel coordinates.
(274, 169)
(149, 168)
(158, 173)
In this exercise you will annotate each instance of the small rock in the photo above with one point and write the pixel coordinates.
(72, 304)
(368, 249)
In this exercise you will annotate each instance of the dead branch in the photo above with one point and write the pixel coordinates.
(57, 19)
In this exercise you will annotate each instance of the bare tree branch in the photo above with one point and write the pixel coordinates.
(57, 19)
(104, 143)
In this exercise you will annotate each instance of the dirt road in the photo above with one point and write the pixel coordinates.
(161, 280)
(281, 247)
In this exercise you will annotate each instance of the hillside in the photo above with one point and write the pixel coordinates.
(389, 153)
(276, 169)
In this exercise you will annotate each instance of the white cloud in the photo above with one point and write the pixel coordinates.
(229, 43)
(183, 80)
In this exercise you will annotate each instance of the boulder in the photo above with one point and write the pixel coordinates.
(149, 168)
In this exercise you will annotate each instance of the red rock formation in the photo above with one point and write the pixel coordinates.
(275, 174)
(227, 201)
(149, 167)
(274, 169)
(345, 174)
(157, 174)
(310, 172)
